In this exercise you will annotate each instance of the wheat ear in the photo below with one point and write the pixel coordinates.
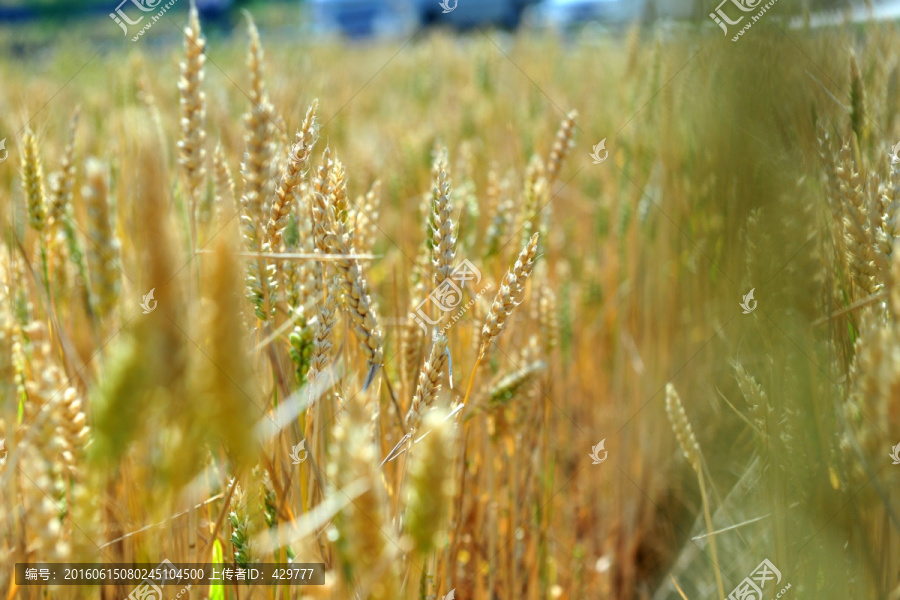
(429, 382)
(103, 251)
(60, 200)
(361, 530)
(561, 146)
(509, 295)
(365, 220)
(259, 155)
(294, 170)
(691, 449)
(225, 193)
(857, 101)
(33, 182)
(503, 215)
(326, 320)
(193, 114)
(331, 236)
(443, 245)
(337, 186)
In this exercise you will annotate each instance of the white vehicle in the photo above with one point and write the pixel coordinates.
(565, 15)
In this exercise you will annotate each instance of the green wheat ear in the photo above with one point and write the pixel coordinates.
(302, 345)
(857, 102)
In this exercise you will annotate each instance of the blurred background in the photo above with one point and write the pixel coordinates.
(367, 19)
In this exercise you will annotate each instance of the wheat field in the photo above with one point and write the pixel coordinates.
(476, 316)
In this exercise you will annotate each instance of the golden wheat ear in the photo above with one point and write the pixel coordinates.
(103, 251)
(193, 116)
(294, 170)
(565, 140)
(691, 449)
(443, 240)
(429, 382)
(509, 295)
(33, 182)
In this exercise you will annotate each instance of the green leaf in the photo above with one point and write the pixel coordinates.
(216, 589)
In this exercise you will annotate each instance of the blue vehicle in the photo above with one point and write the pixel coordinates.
(366, 18)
